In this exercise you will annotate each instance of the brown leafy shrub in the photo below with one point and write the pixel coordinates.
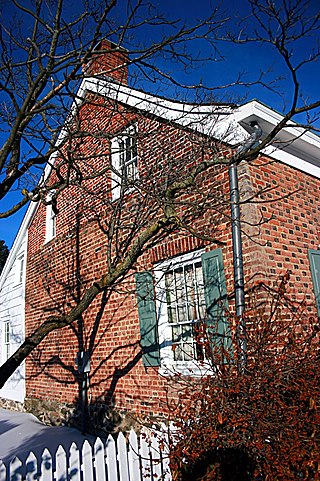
(259, 421)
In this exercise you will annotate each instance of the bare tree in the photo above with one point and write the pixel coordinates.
(43, 51)
(39, 76)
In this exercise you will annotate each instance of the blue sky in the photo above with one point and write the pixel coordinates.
(250, 59)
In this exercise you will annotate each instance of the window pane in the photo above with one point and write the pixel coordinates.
(7, 332)
(134, 148)
(176, 334)
(188, 352)
(21, 270)
(181, 295)
(128, 157)
(177, 353)
(186, 309)
(187, 332)
(170, 297)
(7, 339)
(121, 154)
(191, 293)
(128, 149)
(130, 171)
(200, 291)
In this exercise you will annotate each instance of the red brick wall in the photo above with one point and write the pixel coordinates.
(288, 209)
(59, 272)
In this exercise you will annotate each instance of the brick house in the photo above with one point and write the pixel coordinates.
(137, 143)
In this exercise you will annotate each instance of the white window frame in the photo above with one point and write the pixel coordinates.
(118, 162)
(168, 365)
(51, 219)
(6, 339)
(19, 270)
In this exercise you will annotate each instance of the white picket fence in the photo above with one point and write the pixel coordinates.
(136, 458)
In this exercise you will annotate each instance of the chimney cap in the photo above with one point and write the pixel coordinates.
(109, 45)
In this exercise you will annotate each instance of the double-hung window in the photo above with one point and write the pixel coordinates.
(181, 305)
(182, 310)
(124, 160)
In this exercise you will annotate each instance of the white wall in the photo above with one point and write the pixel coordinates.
(12, 304)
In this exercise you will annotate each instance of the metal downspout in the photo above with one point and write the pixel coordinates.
(241, 334)
(238, 265)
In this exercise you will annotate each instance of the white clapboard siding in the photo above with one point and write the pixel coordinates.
(136, 458)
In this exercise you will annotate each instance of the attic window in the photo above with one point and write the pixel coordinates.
(19, 270)
(124, 160)
(6, 340)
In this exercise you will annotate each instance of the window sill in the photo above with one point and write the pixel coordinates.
(190, 369)
(127, 192)
(49, 240)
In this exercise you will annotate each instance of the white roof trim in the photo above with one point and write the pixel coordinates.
(293, 161)
(293, 145)
(207, 119)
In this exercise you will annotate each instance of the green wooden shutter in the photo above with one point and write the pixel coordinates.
(314, 258)
(148, 319)
(216, 299)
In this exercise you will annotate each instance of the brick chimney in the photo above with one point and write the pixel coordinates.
(112, 63)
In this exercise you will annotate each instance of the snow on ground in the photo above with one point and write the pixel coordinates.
(21, 433)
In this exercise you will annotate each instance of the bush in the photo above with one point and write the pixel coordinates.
(258, 421)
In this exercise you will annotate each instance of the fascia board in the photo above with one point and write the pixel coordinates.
(293, 161)
(206, 119)
(145, 101)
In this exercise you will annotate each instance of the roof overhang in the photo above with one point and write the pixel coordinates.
(294, 145)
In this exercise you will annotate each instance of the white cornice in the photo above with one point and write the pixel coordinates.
(293, 145)
(210, 119)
